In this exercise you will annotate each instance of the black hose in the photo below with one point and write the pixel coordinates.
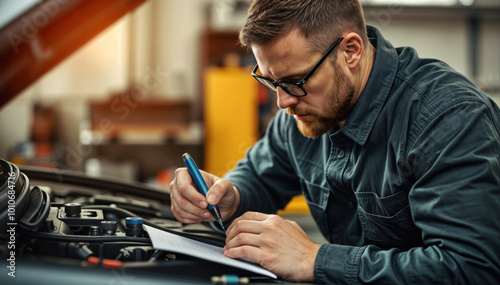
(14, 196)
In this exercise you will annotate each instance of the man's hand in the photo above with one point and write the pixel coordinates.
(278, 245)
(190, 206)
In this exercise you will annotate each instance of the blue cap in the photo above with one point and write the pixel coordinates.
(133, 221)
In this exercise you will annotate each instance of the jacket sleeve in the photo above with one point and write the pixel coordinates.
(454, 200)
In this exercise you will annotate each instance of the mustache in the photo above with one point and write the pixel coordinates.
(297, 111)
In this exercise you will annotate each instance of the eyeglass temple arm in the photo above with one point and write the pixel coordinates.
(327, 53)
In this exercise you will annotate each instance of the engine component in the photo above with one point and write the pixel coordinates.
(134, 226)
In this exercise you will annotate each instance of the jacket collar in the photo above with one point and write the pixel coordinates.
(360, 122)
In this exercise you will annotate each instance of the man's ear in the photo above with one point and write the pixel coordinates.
(352, 50)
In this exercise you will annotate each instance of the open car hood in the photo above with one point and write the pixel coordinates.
(45, 34)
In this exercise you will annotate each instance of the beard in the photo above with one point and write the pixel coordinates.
(337, 111)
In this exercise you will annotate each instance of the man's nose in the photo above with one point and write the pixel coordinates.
(285, 100)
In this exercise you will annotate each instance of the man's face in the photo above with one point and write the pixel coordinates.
(329, 91)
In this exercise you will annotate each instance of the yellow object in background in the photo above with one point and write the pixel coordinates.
(231, 123)
(297, 205)
(231, 117)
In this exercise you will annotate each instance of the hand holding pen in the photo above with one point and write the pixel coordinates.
(202, 187)
(191, 206)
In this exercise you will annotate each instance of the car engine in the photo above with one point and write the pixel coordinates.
(60, 226)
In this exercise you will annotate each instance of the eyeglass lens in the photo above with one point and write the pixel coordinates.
(287, 87)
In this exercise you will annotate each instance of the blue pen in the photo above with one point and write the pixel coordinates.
(201, 186)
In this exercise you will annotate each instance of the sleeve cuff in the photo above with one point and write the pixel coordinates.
(337, 264)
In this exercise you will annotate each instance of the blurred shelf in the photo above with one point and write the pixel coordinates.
(125, 119)
(143, 136)
(186, 135)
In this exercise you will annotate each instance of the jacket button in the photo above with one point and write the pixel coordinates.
(351, 205)
(340, 153)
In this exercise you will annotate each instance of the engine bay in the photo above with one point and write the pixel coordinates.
(67, 223)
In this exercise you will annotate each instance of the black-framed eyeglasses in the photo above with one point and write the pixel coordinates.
(293, 88)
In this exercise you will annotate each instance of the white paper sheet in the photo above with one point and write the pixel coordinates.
(170, 242)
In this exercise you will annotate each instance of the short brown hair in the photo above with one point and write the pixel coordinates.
(321, 21)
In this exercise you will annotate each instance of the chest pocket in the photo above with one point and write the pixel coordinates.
(387, 220)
